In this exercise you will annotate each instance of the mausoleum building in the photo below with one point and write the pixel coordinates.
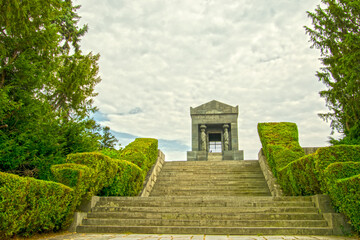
(214, 128)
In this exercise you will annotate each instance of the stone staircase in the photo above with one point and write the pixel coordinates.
(224, 197)
(203, 178)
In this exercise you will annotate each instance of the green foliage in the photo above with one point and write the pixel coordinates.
(127, 182)
(142, 152)
(300, 177)
(333, 154)
(278, 133)
(108, 140)
(104, 169)
(136, 157)
(280, 144)
(333, 170)
(345, 195)
(339, 170)
(112, 153)
(28, 205)
(336, 33)
(46, 87)
(80, 178)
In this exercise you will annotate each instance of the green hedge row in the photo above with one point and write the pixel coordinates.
(80, 178)
(308, 175)
(345, 195)
(28, 205)
(123, 176)
(143, 152)
(103, 166)
(280, 143)
(134, 162)
(127, 182)
(333, 170)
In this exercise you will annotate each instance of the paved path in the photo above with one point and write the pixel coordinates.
(80, 236)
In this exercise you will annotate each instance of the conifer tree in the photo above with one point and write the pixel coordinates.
(336, 32)
(46, 86)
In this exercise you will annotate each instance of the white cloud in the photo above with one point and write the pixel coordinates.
(164, 56)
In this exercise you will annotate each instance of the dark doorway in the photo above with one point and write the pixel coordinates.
(215, 144)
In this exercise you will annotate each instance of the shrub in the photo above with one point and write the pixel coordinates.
(112, 153)
(332, 154)
(299, 177)
(339, 170)
(280, 144)
(127, 182)
(135, 157)
(345, 195)
(104, 169)
(333, 170)
(142, 152)
(28, 205)
(283, 133)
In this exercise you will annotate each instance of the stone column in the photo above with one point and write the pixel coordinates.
(226, 137)
(203, 138)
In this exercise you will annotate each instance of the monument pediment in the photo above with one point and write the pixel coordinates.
(214, 107)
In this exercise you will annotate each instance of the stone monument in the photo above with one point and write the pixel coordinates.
(214, 131)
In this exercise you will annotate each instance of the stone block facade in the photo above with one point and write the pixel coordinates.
(214, 128)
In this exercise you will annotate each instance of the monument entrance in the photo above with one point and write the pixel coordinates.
(214, 132)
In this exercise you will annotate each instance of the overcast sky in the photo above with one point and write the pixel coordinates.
(161, 57)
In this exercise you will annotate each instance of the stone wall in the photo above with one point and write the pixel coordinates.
(151, 177)
(271, 181)
(310, 150)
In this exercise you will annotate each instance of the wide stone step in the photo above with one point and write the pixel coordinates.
(206, 230)
(194, 203)
(212, 168)
(238, 210)
(211, 216)
(210, 184)
(212, 198)
(213, 182)
(225, 194)
(214, 185)
(199, 176)
(211, 187)
(214, 173)
(209, 194)
(190, 193)
(207, 163)
(205, 222)
(226, 201)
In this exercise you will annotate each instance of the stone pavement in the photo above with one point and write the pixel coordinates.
(88, 236)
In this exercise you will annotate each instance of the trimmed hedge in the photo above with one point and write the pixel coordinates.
(333, 170)
(28, 205)
(333, 154)
(77, 176)
(142, 152)
(300, 177)
(135, 161)
(339, 170)
(280, 144)
(345, 195)
(127, 182)
(104, 168)
(112, 153)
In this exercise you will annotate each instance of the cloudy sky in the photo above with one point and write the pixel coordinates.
(161, 57)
